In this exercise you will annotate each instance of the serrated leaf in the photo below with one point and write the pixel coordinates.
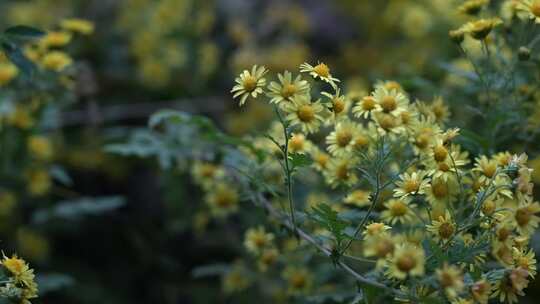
(330, 220)
(300, 160)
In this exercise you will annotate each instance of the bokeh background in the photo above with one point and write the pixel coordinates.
(114, 229)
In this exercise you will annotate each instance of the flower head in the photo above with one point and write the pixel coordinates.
(249, 83)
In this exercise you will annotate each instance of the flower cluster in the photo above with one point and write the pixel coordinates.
(426, 199)
(17, 280)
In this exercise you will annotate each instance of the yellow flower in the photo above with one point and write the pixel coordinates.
(398, 211)
(32, 244)
(440, 110)
(358, 198)
(511, 285)
(411, 184)
(299, 280)
(450, 279)
(408, 260)
(249, 83)
(340, 171)
(375, 229)
(39, 182)
(56, 61)
(340, 141)
(525, 260)
(256, 239)
(320, 158)
(472, 7)
(441, 191)
(321, 71)
(340, 104)
(8, 72)
(8, 200)
(40, 147)
(391, 102)
(525, 218)
(222, 199)
(479, 29)
(365, 107)
(235, 280)
(298, 143)
(532, 7)
(267, 258)
(305, 113)
(22, 274)
(206, 174)
(481, 291)
(55, 39)
(287, 88)
(80, 26)
(442, 228)
(380, 246)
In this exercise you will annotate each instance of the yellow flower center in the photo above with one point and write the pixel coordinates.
(398, 209)
(297, 143)
(338, 105)
(298, 281)
(503, 234)
(225, 199)
(440, 153)
(446, 279)
(361, 141)
(439, 190)
(383, 248)
(375, 228)
(306, 113)
(259, 240)
(405, 263)
(489, 169)
(322, 70)
(422, 141)
(368, 103)
(322, 159)
(388, 103)
(14, 265)
(342, 172)
(208, 171)
(405, 118)
(446, 230)
(411, 185)
(343, 138)
(387, 122)
(535, 8)
(288, 90)
(250, 83)
(489, 207)
(444, 167)
(523, 216)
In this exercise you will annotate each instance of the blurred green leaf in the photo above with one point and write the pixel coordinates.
(74, 209)
(49, 282)
(23, 31)
(210, 270)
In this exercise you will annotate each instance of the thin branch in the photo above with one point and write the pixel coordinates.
(327, 252)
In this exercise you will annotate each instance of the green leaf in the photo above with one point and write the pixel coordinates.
(16, 56)
(325, 216)
(49, 282)
(210, 270)
(300, 160)
(74, 209)
(167, 116)
(24, 32)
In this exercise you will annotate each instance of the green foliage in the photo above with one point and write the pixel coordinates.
(329, 219)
